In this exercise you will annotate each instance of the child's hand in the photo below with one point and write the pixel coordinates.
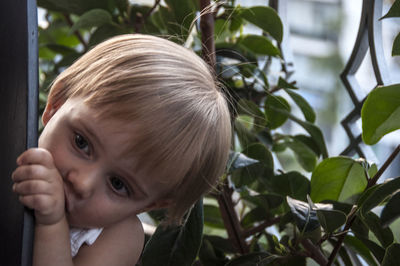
(40, 186)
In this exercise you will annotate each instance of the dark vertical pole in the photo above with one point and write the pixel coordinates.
(18, 119)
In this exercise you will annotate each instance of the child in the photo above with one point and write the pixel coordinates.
(135, 124)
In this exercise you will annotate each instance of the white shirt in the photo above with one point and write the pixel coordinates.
(78, 237)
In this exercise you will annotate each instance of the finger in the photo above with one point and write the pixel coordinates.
(32, 187)
(39, 203)
(36, 156)
(29, 172)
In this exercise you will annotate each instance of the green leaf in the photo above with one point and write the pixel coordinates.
(376, 250)
(344, 255)
(260, 153)
(396, 46)
(384, 235)
(212, 217)
(259, 44)
(313, 130)
(68, 59)
(165, 19)
(220, 243)
(184, 13)
(282, 83)
(221, 30)
(92, 18)
(307, 140)
(249, 108)
(391, 211)
(256, 258)
(264, 167)
(244, 135)
(235, 51)
(176, 245)
(306, 219)
(380, 113)
(265, 18)
(359, 247)
(238, 160)
(337, 178)
(60, 49)
(58, 33)
(73, 6)
(359, 228)
(291, 184)
(395, 227)
(394, 11)
(104, 32)
(304, 106)
(331, 220)
(276, 119)
(392, 255)
(379, 194)
(304, 155)
(266, 201)
(209, 256)
(254, 215)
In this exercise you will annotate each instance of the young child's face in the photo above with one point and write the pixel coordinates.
(101, 186)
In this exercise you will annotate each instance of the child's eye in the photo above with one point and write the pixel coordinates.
(81, 143)
(119, 186)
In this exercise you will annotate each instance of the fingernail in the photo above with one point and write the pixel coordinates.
(19, 160)
(14, 187)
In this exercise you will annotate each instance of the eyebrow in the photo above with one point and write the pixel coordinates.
(127, 177)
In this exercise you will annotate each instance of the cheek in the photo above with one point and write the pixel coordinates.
(100, 212)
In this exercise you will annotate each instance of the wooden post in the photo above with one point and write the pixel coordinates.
(18, 119)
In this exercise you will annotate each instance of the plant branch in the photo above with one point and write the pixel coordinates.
(260, 227)
(141, 18)
(207, 33)
(388, 161)
(352, 215)
(314, 252)
(156, 3)
(230, 219)
(77, 33)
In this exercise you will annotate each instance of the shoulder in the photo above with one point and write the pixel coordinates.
(119, 244)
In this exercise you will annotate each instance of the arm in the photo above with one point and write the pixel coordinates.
(120, 244)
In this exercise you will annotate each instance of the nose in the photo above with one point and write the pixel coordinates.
(81, 182)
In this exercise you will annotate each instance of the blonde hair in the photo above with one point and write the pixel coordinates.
(171, 93)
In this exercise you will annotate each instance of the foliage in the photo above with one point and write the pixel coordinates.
(307, 218)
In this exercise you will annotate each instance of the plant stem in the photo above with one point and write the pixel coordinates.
(226, 206)
(230, 219)
(77, 33)
(156, 3)
(207, 33)
(314, 252)
(140, 19)
(260, 227)
(352, 216)
(384, 167)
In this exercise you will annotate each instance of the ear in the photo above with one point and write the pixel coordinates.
(51, 108)
(53, 103)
